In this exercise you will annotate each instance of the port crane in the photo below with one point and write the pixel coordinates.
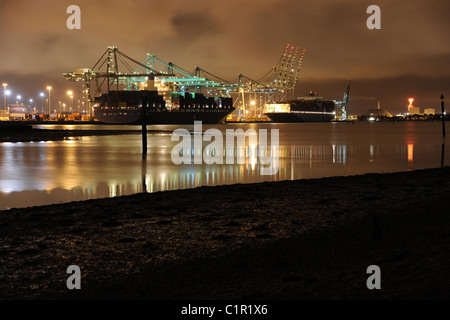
(275, 85)
(342, 106)
(108, 74)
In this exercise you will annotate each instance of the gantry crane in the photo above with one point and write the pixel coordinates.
(115, 69)
(342, 106)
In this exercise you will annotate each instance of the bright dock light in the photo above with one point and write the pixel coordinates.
(4, 92)
(49, 103)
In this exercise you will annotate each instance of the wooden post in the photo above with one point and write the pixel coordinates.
(144, 124)
(443, 115)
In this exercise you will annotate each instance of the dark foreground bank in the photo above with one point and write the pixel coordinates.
(306, 239)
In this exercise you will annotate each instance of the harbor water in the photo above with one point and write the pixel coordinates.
(40, 173)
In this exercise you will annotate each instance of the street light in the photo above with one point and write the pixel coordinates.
(8, 93)
(42, 104)
(49, 102)
(4, 92)
(87, 102)
(70, 93)
(18, 98)
(31, 105)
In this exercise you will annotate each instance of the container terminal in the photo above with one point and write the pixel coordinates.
(116, 86)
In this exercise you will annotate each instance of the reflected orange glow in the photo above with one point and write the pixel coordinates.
(108, 166)
(410, 153)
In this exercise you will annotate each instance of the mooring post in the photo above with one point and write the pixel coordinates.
(443, 115)
(144, 124)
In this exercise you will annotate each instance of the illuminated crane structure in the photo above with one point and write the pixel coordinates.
(342, 106)
(277, 84)
(154, 73)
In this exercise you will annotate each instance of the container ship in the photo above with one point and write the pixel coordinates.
(125, 107)
(310, 108)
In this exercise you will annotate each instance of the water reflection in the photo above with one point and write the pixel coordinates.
(410, 154)
(144, 172)
(109, 166)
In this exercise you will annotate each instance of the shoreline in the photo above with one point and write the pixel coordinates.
(302, 239)
(26, 133)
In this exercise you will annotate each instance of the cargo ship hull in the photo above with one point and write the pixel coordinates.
(286, 117)
(164, 117)
(305, 109)
(125, 107)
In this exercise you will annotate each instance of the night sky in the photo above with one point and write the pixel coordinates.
(409, 56)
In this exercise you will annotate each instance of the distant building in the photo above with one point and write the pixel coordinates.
(379, 112)
(17, 112)
(429, 111)
(4, 115)
(414, 110)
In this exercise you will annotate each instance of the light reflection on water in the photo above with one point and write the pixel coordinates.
(37, 173)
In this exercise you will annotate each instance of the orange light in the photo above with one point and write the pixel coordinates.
(410, 103)
(410, 153)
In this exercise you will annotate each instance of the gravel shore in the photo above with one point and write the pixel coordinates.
(304, 239)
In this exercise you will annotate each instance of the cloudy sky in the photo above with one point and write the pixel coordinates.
(409, 56)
